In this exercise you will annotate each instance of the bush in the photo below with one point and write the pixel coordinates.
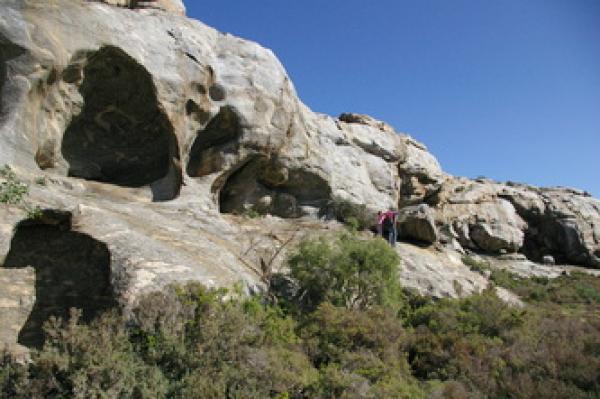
(211, 347)
(12, 191)
(475, 265)
(360, 353)
(355, 216)
(98, 360)
(13, 376)
(575, 289)
(347, 271)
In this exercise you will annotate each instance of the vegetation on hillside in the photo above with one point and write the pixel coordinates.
(13, 192)
(343, 330)
(355, 216)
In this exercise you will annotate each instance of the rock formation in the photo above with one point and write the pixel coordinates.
(141, 153)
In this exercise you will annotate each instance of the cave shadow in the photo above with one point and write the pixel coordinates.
(260, 177)
(122, 135)
(8, 51)
(221, 135)
(72, 270)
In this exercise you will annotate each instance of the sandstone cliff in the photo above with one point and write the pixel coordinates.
(142, 134)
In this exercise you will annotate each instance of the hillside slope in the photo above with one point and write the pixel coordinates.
(143, 135)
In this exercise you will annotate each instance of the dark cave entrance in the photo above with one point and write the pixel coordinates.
(220, 135)
(71, 270)
(559, 238)
(121, 135)
(265, 185)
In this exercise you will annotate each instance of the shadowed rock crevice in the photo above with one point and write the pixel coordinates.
(8, 51)
(71, 270)
(220, 135)
(3, 72)
(559, 238)
(121, 136)
(554, 231)
(267, 186)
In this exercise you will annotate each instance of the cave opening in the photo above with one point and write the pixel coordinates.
(72, 270)
(558, 238)
(268, 187)
(221, 134)
(122, 136)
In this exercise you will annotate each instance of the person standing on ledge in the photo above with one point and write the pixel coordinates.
(386, 226)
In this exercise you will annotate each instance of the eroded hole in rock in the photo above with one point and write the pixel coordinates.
(557, 238)
(72, 270)
(217, 92)
(266, 186)
(221, 132)
(194, 111)
(121, 135)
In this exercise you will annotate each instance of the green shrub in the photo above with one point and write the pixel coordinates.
(475, 265)
(13, 376)
(12, 191)
(360, 353)
(251, 213)
(355, 216)
(574, 289)
(193, 342)
(331, 331)
(98, 360)
(211, 347)
(347, 271)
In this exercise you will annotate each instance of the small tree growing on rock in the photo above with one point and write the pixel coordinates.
(347, 271)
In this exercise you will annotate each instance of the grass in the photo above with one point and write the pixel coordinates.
(475, 265)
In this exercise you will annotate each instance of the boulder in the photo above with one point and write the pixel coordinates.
(496, 237)
(366, 120)
(548, 260)
(418, 223)
(440, 274)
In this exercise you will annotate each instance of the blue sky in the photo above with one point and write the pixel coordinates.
(508, 89)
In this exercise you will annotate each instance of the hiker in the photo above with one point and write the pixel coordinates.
(386, 226)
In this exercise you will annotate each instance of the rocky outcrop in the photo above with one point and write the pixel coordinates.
(562, 223)
(147, 145)
(418, 223)
(141, 153)
(440, 274)
(484, 215)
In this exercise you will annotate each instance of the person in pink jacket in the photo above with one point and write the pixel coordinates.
(386, 226)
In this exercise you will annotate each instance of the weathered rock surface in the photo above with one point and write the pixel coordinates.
(436, 273)
(142, 151)
(417, 222)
